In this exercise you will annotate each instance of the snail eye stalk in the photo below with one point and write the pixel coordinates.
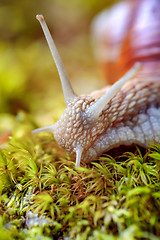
(66, 86)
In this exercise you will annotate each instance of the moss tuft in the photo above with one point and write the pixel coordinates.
(44, 195)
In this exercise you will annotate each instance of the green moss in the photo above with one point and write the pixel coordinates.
(43, 195)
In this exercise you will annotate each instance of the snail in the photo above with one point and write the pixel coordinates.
(126, 113)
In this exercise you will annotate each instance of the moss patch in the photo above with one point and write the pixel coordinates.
(44, 196)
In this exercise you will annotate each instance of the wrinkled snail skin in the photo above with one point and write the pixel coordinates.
(126, 113)
(132, 116)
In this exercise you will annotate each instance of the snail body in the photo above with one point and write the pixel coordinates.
(126, 113)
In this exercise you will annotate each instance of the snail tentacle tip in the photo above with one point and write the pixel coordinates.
(138, 64)
(39, 17)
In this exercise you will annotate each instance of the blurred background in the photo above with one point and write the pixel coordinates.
(29, 82)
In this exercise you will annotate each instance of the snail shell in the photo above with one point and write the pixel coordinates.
(127, 33)
(127, 112)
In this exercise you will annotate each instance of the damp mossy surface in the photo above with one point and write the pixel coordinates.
(43, 195)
